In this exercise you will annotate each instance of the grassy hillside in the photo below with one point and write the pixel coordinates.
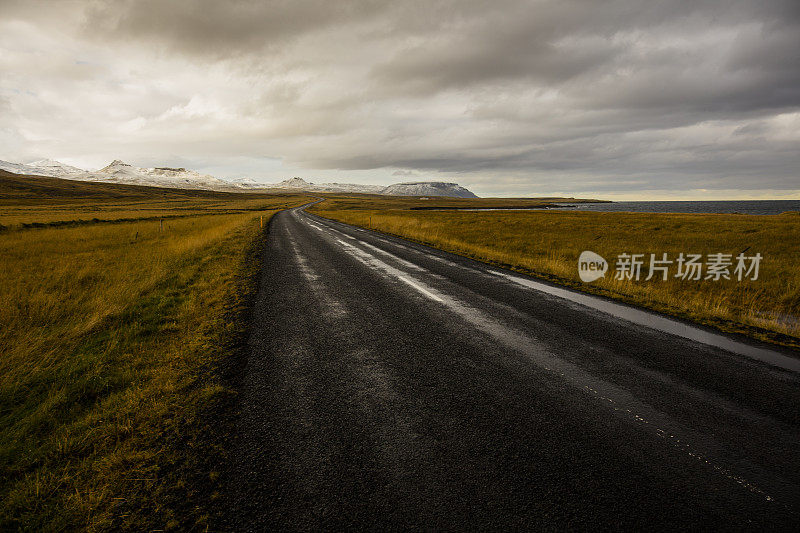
(21, 186)
(547, 244)
(120, 343)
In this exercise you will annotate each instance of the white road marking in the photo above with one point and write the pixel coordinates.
(420, 289)
(302, 263)
(400, 260)
(340, 233)
(325, 227)
(374, 262)
(334, 308)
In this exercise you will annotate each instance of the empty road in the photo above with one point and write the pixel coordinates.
(393, 386)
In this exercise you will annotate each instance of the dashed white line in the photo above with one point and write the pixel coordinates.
(374, 262)
(420, 289)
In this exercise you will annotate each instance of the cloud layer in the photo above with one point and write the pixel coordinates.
(508, 97)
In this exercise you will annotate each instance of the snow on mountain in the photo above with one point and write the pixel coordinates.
(247, 183)
(301, 184)
(428, 188)
(44, 167)
(353, 187)
(120, 172)
(16, 168)
(293, 183)
(55, 168)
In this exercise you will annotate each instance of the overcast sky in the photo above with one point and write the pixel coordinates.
(617, 99)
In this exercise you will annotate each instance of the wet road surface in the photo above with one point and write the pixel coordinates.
(393, 386)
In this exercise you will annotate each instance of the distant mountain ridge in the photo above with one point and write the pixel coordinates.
(300, 183)
(120, 172)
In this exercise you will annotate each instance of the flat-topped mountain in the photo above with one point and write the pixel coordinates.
(428, 188)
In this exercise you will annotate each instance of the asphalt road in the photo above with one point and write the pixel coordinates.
(393, 386)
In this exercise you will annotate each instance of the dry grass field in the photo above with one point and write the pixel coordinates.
(546, 244)
(118, 346)
(35, 202)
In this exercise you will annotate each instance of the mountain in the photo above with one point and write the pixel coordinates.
(353, 187)
(300, 183)
(16, 168)
(56, 168)
(294, 183)
(419, 188)
(247, 183)
(120, 172)
(44, 167)
(428, 188)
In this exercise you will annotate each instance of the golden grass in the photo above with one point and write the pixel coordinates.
(113, 336)
(58, 212)
(546, 244)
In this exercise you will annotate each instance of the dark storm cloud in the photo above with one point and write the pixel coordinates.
(607, 95)
(581, 48)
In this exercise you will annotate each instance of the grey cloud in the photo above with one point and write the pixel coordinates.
(221, 29)
(585, 94)
(571, 46)
(404, 173)
(514, 40)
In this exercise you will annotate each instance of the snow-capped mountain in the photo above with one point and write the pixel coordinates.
(293, 183)
(247, 183)
(120, 172)
(56, 168)
(16, 168)
(428, 188)
(44, 167)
